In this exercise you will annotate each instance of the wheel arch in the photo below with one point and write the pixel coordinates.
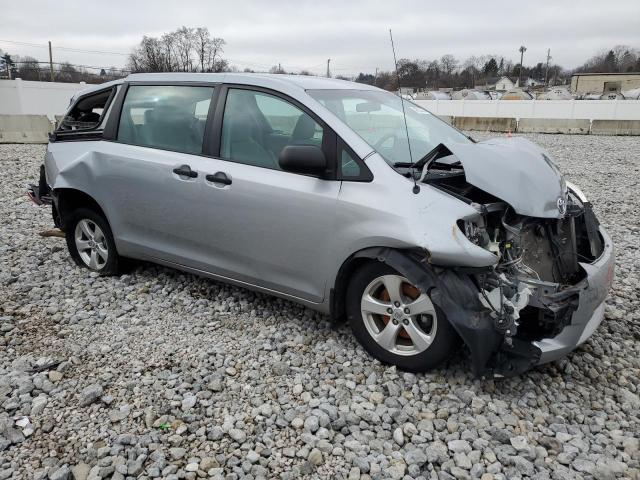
(349, 266)
(66, 200)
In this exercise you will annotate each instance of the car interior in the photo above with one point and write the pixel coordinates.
(87, 113)
(251, 137)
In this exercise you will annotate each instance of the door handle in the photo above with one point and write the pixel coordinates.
(219, 177)
(185, 171)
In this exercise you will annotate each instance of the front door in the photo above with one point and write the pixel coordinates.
(261, 224)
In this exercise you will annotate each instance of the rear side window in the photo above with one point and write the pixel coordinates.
(88, 113)
(167, 117)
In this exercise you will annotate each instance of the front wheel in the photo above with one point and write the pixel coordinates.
(90, 242)
(397, 323)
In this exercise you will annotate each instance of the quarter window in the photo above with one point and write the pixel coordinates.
(256, 127)
(167, 117)
(88, 113)
(349, 167)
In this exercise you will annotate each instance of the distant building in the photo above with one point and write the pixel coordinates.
(532, 83)
(504, 84)
(499, 84)
(608, 84)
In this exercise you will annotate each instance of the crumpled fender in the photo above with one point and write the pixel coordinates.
(453, 291)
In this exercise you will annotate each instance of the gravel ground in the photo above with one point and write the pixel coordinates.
(161, 374)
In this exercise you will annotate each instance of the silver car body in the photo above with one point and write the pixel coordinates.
(290, 234)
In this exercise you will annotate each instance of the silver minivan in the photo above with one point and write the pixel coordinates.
(342, 197)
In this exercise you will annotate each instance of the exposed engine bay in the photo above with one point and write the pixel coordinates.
(533, 289)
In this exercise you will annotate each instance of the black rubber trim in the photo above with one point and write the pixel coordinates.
(111, 128)
(209, 146)
(215, 134)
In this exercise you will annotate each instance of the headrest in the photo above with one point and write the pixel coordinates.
(304, 129)
(241, 128)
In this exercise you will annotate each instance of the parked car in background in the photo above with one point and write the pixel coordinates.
(340, 197)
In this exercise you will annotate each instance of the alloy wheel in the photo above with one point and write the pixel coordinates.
(91, 244)
(399, 317)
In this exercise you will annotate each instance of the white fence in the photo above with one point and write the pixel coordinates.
(21, 97)
(562, 109)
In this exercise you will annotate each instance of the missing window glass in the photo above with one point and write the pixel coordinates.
(88, 112)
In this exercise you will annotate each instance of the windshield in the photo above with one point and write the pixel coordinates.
(377, 117)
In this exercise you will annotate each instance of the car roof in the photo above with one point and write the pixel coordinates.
(304, 82)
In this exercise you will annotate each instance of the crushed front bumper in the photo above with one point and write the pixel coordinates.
(590, 312)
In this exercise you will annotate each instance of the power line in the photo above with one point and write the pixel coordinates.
(246, 63)
(66, 49)
(73, 65)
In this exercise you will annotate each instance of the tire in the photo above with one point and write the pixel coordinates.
(86, 227)
(418, 340)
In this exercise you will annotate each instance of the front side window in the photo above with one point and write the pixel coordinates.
(168, 117)
(378, 118)
(256, 126)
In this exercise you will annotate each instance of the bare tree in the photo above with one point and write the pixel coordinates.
(183, 50)
(151, 56)
(28, 68)
(277, 69)
(183, 43)
(448, 63)
(207, 49)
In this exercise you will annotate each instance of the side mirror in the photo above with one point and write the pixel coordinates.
(304, 159)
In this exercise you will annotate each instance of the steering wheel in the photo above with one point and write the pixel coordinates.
(383, 139)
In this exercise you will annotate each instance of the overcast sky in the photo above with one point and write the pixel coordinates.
(302, 34)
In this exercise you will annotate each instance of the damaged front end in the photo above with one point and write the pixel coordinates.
(544, 295)
(535, 287)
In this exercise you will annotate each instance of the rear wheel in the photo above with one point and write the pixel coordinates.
(397, 323)
(90, 242)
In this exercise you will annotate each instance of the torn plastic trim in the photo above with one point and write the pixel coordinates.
(454, 292)
(40, 194)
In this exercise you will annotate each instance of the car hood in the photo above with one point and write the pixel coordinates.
(516, 171)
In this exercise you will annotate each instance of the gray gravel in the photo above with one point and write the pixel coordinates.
(162, 374)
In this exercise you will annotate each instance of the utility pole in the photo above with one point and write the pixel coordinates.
(546, 72)
(522, 50)
(328, 70)
(50, 61)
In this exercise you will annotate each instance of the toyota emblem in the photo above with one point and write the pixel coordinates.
(562, 205)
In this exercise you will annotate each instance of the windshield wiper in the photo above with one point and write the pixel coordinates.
(403, 165)
(431, 154)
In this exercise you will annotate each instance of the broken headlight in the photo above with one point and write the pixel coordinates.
(474, 231)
